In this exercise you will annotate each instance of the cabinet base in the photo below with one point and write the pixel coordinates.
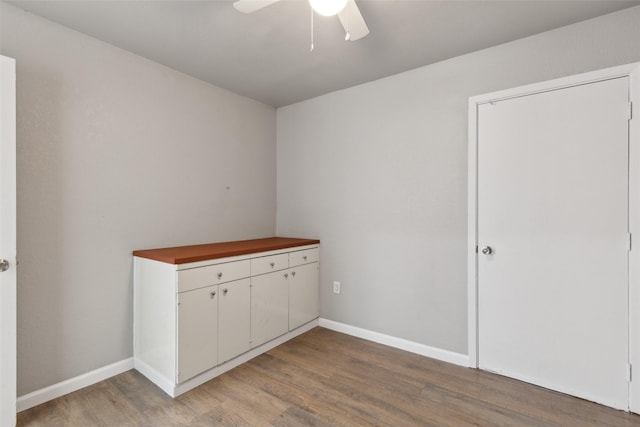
(173, 390)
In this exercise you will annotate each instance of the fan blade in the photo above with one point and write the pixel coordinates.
(248, 6)
(353, 22)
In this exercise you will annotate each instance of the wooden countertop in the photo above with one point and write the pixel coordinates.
(184, 254)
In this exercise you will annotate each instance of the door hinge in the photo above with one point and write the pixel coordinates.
(629, 242)
(629, 372)
(476, 248)
(630, 111)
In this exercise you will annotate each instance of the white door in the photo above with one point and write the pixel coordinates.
(553, 209)
(7, 242)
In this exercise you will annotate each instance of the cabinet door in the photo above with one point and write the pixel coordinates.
(234, 317)
(269, 306)
(197, 332)
(304, 295)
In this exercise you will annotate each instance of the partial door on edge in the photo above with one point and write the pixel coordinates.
(8, 277)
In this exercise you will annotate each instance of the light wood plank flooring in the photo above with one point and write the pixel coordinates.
(326, 378)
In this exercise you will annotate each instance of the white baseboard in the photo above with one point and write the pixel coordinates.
(60, 389)
(156, 377)
(410, 346)
(65, 387)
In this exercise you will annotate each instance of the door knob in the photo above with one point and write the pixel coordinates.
(487, 250)
(4, 265)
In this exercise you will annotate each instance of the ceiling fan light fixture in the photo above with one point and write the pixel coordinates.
(328, 7)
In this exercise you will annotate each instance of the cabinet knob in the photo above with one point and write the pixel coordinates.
(286, 275)
(293, 274)
(213, 294)
(224, 291)
(304, 257)
(272, 264)
(220, 275)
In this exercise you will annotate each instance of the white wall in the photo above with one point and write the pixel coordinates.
(117, 153)
(378, 173)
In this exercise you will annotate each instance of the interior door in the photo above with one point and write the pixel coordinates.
(553, 239)
(7, 242)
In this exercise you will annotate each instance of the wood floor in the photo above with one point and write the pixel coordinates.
(326, 378)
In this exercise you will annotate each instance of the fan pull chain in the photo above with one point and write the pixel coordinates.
(348, 35)
(311, 50)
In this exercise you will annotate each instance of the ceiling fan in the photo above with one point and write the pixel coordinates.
(347, 10)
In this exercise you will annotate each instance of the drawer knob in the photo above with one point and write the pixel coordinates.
(304, 257)
(213, 294)
(224, 291)
(220, 275)
(293, 274)
(286, 275)
(272, 264)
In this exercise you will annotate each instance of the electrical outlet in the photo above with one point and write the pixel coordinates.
(336, 287)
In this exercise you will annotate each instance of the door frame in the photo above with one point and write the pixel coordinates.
(8, 310)
(629, 70)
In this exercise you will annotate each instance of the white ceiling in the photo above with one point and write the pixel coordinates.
(265, 55)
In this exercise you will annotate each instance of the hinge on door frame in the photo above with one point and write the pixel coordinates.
(476, 248)
(629, 372)
(629, 242)
(630, 111)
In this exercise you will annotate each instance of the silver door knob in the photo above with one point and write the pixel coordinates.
(4, 265)
(487, 250)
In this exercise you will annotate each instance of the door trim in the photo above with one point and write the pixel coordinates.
(629, 70)
(8, 281)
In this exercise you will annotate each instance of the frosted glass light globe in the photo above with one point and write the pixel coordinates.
(328, 7)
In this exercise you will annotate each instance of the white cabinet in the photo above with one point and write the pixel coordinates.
(304, 295)
(234, 319)
(193, 278)
(197, 331)
(304, 290)
(269, 264)
(269, 306)
(197, 316)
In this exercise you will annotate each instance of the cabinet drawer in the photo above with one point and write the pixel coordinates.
(267, 264)
(303, 257)
(195, 278)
